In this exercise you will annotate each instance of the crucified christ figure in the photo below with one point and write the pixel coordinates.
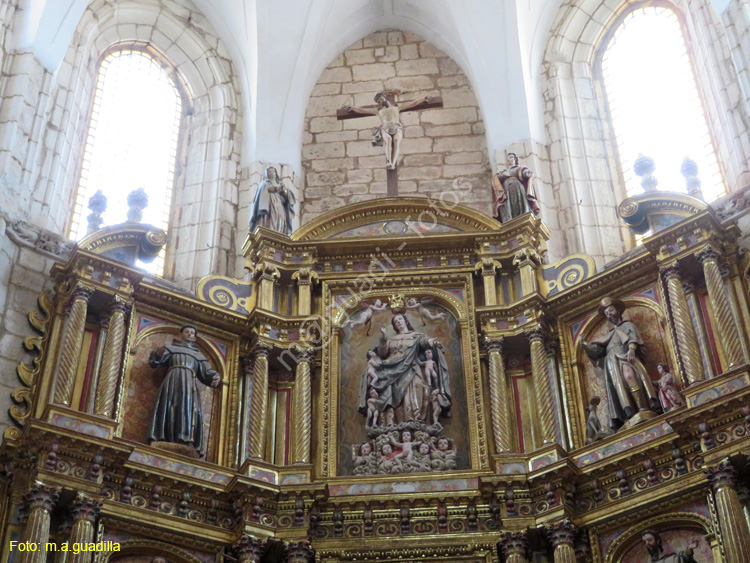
(390, 132)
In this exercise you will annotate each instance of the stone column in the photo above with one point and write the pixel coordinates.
(70, 345)
(305, 277)
(268, 274)
(542, 388)
(111, 359)
(727, 329)
(498, 395)
(299, 552)
(85, 511)
(249, 549)
(39, 501)
(563, 536)
(514, 547)
(303, 406)
(488, 267)
(734, 529)
(687, 340)
(259, 403)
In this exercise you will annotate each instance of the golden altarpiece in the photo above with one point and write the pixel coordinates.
(400, 380)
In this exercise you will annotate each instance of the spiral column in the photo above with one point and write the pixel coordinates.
(498, 395)
(303, 406)
(111, 358)
(70, 346)
(542, 388)
(259, 403)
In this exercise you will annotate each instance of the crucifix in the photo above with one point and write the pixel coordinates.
(391, 132)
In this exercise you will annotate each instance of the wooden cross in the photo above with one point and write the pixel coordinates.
(390, 133)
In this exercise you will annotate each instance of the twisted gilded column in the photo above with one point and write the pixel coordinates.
(727, 329)
(563, 536)
(514, 547)
(734, 529)
(111, 358)
(39, 502)
(303, 405)
(70, 346)
(259, 403)
(249, 549)
(498, 395)
(542, 388)
(85, 512)
(687, 340)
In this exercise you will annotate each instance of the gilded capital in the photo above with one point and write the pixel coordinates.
(562, 533)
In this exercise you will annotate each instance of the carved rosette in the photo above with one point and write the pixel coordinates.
(71, 345)
(501, 424)
(259, 402)
(249, 549)
(730, 338)
(734, 528)
(303, 405)
(111, 358)
(687, 340)
(299, 552)
(562, 535)
(541, 384)
(514, 547)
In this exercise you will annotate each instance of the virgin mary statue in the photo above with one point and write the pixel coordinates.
(273, 207)
(407, 387)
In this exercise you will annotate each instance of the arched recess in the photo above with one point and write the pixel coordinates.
(581, 141)
(201, 237)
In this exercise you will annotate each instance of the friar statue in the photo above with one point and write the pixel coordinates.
(620, 352)
(178, 417)
(659, 553)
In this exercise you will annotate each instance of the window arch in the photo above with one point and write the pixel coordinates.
(132, 141)
(652, 98)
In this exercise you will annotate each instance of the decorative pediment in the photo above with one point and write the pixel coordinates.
(127, 242)
(656, 211)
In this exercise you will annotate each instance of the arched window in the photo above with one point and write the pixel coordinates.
(654, 102)
(132, 141)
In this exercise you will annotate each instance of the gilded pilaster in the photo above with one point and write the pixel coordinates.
(249, 549)
(687, 340)
(305, 277)
(498, 395)
(488, 268)
(562, 535)
(542, 385)
(70, 346)
(268, 274)
(39, 501)
(85, 512)
(526, 260)
(727, 329)
(734, 529)
(303, 406)
(112, 358)
(514, 547)
(259, 403)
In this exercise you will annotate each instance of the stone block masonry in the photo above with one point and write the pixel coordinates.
(340, 165)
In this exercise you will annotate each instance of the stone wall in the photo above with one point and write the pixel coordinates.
(340, 165)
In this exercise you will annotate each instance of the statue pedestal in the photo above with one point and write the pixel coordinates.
(637, 418)
(181, 449)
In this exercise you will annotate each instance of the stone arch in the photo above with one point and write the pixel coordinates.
(203, 211)
(581, 141)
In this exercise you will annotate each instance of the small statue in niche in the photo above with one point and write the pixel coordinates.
(659, 553)
(669, 395)
(594, 430)
(273, 206)
(178, 416)
(620, 352)
(514, 192)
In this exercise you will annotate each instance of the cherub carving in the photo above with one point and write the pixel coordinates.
(372, 408)
(366, 317)
(423, 312)
(406, 444)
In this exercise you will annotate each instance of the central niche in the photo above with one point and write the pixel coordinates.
(403, 398)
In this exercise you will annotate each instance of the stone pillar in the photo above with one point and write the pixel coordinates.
(542, 388)
(563, 536)
(85, 511)
(299, 552)
(40, 500)
(259, 403)
(303, 406)
(249, 549)
(488, 268)
(111, 359)
(305, 277)
(70, 345)
(727, 329)
(268, 274)
(526, 261)
(514, 547)
(498, 395)
(734, 529)
(687, 340)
